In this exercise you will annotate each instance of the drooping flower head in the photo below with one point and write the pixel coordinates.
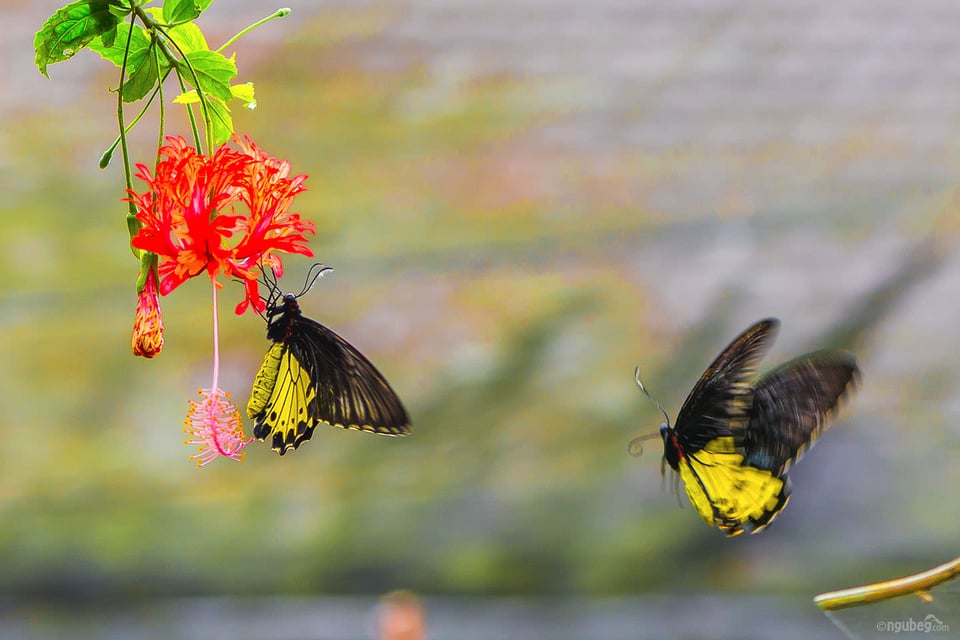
(226, 214)
(148, 323)
(222, 215)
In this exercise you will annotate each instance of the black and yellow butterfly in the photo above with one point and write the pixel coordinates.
(311, 375)
(734, 441)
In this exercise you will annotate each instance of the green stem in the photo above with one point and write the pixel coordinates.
(280, 13)
(108, 154)
(133, 225)
(163, 119)
(175, 62)
(190, 115)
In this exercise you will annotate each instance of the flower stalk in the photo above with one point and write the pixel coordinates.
(214, 424)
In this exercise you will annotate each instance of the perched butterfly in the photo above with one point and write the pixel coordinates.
(311, 375)
(734, 441)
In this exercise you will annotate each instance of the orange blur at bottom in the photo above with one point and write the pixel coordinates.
(400, 616)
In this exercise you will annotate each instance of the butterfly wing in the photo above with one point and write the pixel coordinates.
(320, 377)
(282, 400)
(728, 494)
(351, 392)
(792, 406)
(720, 400)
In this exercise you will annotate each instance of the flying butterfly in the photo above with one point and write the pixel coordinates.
(734, 440)
(312, 375)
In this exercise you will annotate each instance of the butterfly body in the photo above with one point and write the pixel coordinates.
(312, 375)
(672, 451)
(735, 439)
(265, 381)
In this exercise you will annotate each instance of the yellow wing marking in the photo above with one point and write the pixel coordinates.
(288, 410)
(727, 494)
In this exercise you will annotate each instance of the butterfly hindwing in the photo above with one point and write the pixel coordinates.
(312, 375)
(728, 494)
(721, 398)
(792, 405)
(286, 417)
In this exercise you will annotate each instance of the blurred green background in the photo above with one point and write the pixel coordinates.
(522, 202)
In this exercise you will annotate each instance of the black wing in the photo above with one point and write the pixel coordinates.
(720, 400)
(792, 405)
(350, 391)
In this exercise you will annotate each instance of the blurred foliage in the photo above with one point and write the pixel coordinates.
(507, 292)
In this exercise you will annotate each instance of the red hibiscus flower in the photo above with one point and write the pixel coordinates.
(226, 214)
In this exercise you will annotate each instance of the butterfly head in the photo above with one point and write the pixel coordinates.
(286, 304)
(282, 309)
(277, 302)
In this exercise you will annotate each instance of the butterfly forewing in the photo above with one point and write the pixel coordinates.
(720, 401)
(792, 405)
(350, 392)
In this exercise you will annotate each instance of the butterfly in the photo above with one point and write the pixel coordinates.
(735, 439)
(312, 375)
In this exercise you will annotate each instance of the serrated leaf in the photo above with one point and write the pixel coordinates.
(139, 46)
(188, 38)
(214, 72)
(72, 27)
(141, 80)
(177, 11)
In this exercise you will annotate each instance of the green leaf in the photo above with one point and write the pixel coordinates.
(187, 97)
(141, 80)
(108, 38)
(139, 46)
(119, 9)
(183, 11)
(72, 28)
(214, 72)
(221, 125)
(244, 93)
(188, 38)
(177, 11)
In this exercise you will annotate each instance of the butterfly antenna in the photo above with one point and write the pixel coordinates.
(316, 272)
(635, 448)
(636, 378)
